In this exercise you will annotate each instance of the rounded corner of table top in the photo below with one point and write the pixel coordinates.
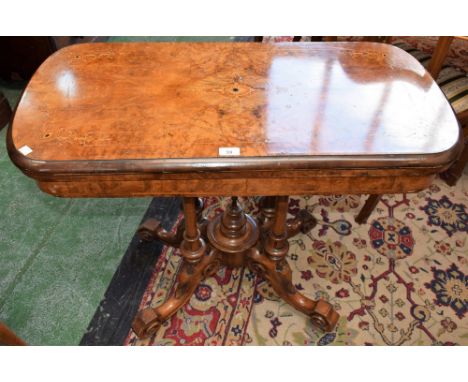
(21, 160)
(42, 86)
(446, 157)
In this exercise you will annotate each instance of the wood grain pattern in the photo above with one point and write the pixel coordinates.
(109, 120)
(238, 186)
(139, 119)
(142, 101)
(236, 239)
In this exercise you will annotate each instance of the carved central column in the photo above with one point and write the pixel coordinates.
(233, 233)
(234, 241)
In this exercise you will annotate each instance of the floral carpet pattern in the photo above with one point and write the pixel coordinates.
(400, 279)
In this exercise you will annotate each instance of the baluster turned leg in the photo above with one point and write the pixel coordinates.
(272, 265)
(267, 212)
(197, 264)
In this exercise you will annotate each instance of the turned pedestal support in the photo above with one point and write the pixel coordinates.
(198, 262)
(271, 264)
(234, 239)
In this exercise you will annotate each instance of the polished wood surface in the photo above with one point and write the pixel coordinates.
(164, 106)
(241, 186)
(149, 119)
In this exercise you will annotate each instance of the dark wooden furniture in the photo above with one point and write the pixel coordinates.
(21, 56)
(5, 111)
(232, 119)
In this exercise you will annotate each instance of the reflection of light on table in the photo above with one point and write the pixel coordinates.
(405, 126)
(292, 103)
(66, 83)
(299, 106)
(317, 99)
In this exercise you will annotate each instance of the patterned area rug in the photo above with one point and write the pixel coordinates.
(401, 279)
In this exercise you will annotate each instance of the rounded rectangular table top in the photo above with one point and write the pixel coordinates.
(129, 107)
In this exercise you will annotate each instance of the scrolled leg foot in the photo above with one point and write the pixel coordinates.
(149, 320)
(151, 230)
(148, 230)
(198, 263)
(146, 323)
(304, 222)
(278, 274)
(324, 316)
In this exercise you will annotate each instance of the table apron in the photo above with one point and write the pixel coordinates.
(238, 186)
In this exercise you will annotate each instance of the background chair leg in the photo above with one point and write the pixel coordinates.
(369, 206)
(438, 58)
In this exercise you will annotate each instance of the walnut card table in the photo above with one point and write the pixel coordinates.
(232, 119)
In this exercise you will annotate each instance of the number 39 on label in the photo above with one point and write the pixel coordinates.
(229, 151)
